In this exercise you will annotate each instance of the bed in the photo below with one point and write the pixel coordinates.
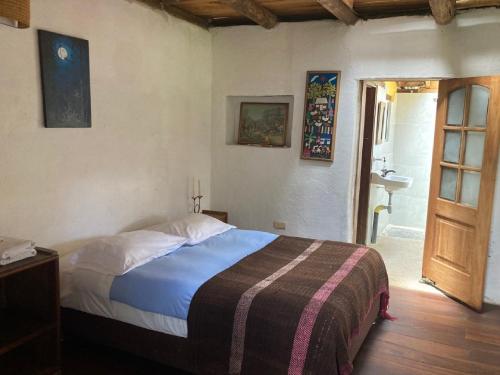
(242, 301)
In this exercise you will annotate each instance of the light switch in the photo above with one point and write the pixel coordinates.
(279, 225)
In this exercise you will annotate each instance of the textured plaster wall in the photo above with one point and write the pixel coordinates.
(413, 144)
(150, 124)
(315, 199)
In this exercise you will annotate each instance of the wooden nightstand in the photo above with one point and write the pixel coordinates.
(220, 215)
(29, 315)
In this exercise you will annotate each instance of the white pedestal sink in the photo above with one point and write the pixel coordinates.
(391, 182)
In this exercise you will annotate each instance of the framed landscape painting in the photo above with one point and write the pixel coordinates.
(64, 64)
(320, 114)
(263, 124)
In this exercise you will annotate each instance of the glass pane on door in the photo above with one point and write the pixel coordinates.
(448, 183)
(452, 140)
(471, 182)
(456, 106)
(478, 113)
(474, 149)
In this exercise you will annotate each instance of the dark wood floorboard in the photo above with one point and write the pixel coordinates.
(432, 335)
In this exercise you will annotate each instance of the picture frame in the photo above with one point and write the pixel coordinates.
(381, 122)
(320, 115)
(64, 65)
(263, 124)
(388, 113)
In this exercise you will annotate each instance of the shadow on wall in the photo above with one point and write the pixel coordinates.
(315, 164)
(69, 246)
(144, 223)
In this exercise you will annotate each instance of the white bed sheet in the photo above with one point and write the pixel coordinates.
(88, 291)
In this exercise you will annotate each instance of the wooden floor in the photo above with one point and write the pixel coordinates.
(432, 335)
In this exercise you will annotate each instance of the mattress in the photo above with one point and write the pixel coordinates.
(88, 291)
(158, 294)
(166, 285)
(97, 305)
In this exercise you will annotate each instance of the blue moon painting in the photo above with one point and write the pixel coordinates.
(64, 64)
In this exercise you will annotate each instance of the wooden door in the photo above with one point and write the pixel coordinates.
(370, 104)
(462, 187)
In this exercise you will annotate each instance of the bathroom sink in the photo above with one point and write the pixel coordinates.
(391, 182)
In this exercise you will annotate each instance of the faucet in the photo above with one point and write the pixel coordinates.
(385, 171)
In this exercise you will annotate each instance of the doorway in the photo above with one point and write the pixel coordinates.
(459, 192)
(398, 137)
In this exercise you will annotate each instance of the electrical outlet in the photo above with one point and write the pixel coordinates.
(279, 225)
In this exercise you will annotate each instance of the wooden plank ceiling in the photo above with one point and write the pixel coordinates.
(268, 13)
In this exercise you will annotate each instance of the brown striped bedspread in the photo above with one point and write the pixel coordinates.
(290, 308)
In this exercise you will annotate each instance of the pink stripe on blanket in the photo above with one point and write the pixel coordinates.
(241, 314)
(311, 311)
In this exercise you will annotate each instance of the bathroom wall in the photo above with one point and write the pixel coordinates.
(413, 145)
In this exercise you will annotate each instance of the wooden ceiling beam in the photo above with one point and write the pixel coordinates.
(342, 9)
(468, 4)
(166, 6)
(257, 13)
(443, 10)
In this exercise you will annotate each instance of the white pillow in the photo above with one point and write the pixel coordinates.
(195, 227)
(116, 255)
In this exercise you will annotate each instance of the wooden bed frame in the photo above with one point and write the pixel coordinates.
(167, 349)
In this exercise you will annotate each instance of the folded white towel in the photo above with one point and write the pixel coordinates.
(10, 247)
(20, 256)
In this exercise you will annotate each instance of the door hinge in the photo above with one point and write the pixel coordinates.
(425, 280)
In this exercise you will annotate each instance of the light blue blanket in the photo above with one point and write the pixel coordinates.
(167, 284)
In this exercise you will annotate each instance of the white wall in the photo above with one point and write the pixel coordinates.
(150, 87)
(259, 185)
(413, 144)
